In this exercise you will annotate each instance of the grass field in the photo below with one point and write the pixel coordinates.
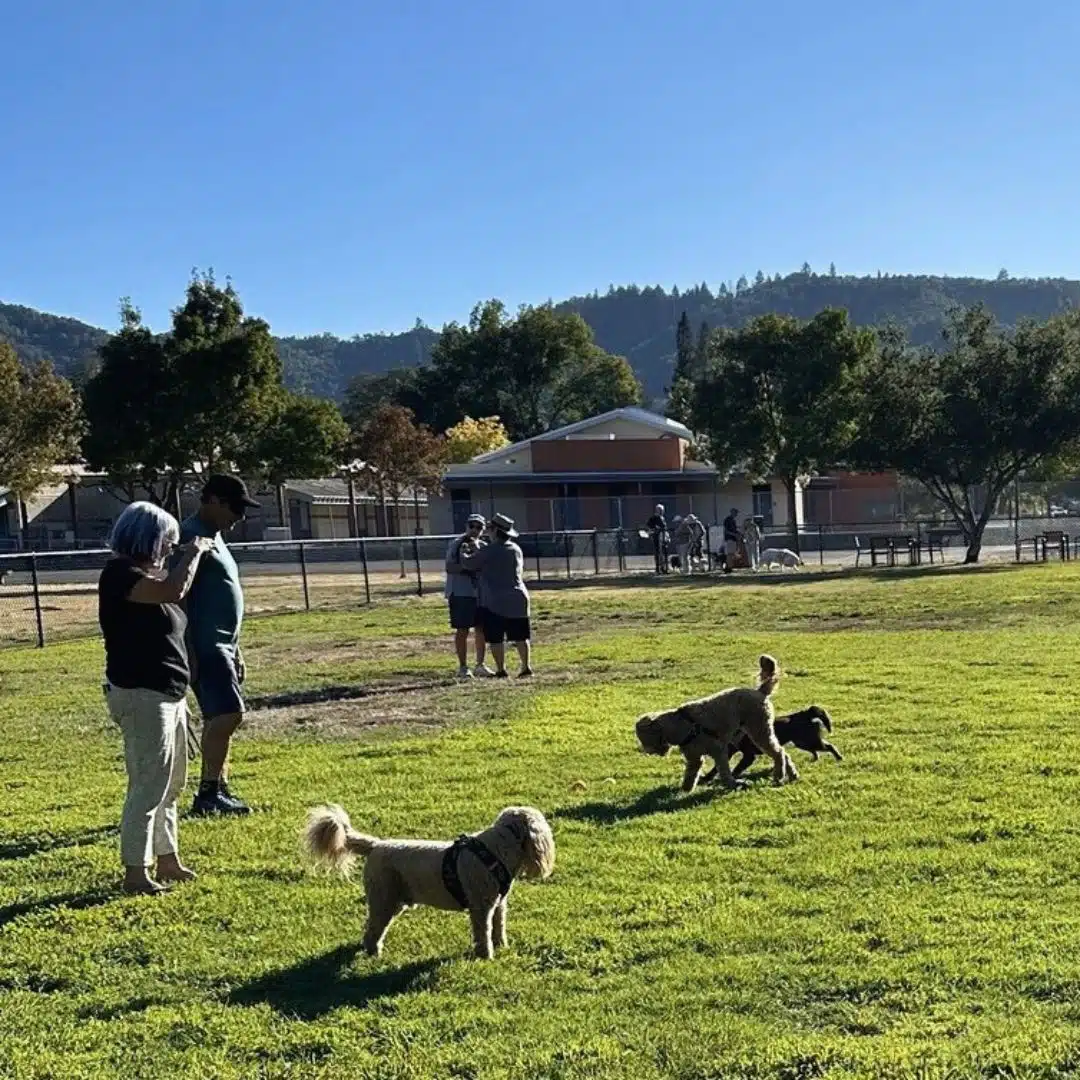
(911, 911)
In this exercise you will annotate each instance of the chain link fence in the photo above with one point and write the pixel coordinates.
(52, 595)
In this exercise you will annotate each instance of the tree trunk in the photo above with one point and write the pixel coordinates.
(792, 512)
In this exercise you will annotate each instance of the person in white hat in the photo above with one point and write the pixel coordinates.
(504, 602)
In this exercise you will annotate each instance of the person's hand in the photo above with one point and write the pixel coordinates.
(241, 668)
(199, 545)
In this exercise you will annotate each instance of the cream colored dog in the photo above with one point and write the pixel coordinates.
(474, 873)
(703, 728)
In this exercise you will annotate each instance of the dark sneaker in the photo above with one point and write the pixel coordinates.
(525, 673)
(502, 674)
(217, 800)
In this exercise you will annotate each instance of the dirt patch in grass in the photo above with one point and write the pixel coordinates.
(370, 648)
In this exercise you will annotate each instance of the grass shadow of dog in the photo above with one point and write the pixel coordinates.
(315, 987)
(22, 847)
(661, 800)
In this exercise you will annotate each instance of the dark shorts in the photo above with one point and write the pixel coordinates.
(498, 629)
(464, 614)
(217, 684)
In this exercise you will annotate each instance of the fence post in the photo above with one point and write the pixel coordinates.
(416, 560)
(363, 560)
(595, 554)
(821, 544)
(566, 549)
(536, 541)
(619, 549)
(303, 575)
(37, 602)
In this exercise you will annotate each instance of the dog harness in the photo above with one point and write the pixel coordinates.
(696, 729)
(493, 865)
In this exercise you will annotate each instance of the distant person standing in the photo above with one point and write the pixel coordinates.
(731, 540)
(657, 526)
(504, 600)
(461, 599)
(215, 612)
(680, 537)
(752, 539)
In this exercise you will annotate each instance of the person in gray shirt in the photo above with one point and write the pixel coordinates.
(461, 599)
(504, 604)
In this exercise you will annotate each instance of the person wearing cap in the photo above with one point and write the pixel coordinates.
(731, 540)
(504, 602)
(657, 526)
(460, 595)
(215, 611)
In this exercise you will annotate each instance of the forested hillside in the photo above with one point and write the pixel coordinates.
(635, 322)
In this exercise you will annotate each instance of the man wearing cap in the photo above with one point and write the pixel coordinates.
(731, 540)
(460, 595)
(215, 610)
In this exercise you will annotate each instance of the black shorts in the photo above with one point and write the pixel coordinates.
(498, 629)
(464, 614)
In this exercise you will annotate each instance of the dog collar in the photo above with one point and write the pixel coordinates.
(696, 730)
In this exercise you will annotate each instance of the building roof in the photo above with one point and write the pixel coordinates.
(629, 412)
(600, 477)
(334, 491)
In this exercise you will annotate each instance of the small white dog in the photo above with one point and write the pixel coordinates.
(782, 557)
(473, 873)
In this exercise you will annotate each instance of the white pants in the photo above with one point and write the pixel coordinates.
(753, 553)
(683, 551)
(155, 753)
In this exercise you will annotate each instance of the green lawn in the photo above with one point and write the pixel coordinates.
(911, 911)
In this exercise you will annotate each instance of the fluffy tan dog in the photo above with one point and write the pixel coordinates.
(705, 727)
(473, 873)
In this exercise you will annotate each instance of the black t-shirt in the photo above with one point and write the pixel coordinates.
(731, 528)
(656, 523)
(144, 643)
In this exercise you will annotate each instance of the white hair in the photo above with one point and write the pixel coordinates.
(143, 531)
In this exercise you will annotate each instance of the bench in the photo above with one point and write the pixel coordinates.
(890, 546)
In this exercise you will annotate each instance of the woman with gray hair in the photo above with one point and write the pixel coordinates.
(146, 683)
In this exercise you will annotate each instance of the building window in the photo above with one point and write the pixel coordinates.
(763, 504)
(461, 507)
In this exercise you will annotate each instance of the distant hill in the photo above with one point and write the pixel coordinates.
(638, 323)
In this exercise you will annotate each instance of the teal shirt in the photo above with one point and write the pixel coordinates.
(215, 602)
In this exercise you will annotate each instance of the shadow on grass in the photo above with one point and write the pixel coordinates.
(661, 800)
(324, 694)
(72, 901)
(315, 987)
(21, 847)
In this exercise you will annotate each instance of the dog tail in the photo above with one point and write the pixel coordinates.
(330, 839)
(769, 675)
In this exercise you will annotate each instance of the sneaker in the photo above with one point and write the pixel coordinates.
(217, 799)
(525, 673)
(464, 673)
(482, 671)
(501, 674)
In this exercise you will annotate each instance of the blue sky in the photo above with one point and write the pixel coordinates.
(354, 165)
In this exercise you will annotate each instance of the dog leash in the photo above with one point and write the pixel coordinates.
(491, 863)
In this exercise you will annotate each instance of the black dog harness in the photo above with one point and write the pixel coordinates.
(493, 865)
(696, 730)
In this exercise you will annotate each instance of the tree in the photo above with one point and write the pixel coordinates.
(684, 348)
(393, 453)
(759, 278)
(701, 352)
(832, 269)
(39, 422)
(967, 420)
(367, 391)
(782, 396)
(741, 285)
(537, 370)
(469, 438)
(197, 398)
(306, 438)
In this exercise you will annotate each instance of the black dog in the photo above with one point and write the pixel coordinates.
(803, 729)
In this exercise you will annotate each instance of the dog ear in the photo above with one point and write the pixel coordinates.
(539, 844)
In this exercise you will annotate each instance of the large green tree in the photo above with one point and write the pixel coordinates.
(304, 438)
(536, 370)
(197, 398)
(39, 422)
(968, 419)
(782, 396)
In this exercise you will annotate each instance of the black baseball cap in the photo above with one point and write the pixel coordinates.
(229, 489)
